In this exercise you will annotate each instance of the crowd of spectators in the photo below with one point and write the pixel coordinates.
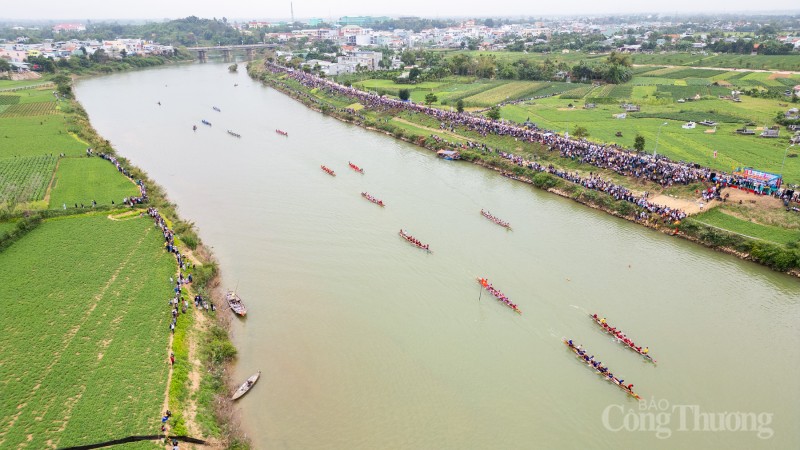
(657, 169)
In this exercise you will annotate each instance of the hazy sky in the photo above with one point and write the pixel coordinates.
(332, 9)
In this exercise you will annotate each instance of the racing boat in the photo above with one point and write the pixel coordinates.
(498, 295)
(414, 241)
(580, 354)
(622, 338)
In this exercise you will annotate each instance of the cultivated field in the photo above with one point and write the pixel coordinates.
(84, 339)
(26, 178)
(34, 136)
(81, 180)
(508, 91)
(765, 62)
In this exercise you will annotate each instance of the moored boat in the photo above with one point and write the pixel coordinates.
(494, 219)
(246, 386)
(372, 199)
(622, 338)
(414, 241)
(498, 295)
(235, 303)
(328, 170)
(355, 167)
(599, 368)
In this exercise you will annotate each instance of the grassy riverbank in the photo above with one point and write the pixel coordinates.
(86, 335)
(419, 129)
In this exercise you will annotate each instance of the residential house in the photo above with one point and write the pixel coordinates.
(68, 27)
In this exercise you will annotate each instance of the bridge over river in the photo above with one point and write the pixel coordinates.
(226, 50)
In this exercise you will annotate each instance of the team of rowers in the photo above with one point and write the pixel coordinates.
(599, 367)
(216, 109)
(234, 134)
(205, 122)
(494, 219)
(414, 240)
(498, 295)
(328, 170)
(355, 167)
(372, 199)
(281, 132)
(621, 337)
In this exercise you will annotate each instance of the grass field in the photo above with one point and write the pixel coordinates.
(719, 218)
(81, 180)
(25, 179)
(85, 332)
(7, 226)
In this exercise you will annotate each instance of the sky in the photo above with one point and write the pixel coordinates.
(331, 9)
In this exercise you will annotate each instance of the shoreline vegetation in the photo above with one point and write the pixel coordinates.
(782, 258)
(198, 389)
(214, 349)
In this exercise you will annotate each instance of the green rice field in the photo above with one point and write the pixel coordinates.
(85, 333)
(26, 178)
(34, 136)
(508, 91)
(81, 180)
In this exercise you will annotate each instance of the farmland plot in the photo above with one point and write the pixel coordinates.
(508, 91)
(81, 180)
(25, 179)
(29, 109)
(40, 135)
(85, 330)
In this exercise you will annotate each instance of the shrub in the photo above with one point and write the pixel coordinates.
(545, 180)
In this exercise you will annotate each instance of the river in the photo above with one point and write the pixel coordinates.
(366, 342)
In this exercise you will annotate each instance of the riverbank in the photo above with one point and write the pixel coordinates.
(540, 168)
(98, 232)
(199, 384)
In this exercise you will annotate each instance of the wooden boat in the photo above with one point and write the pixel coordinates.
(234, 134)
(236, 303)
(355, 167)
(372, 199)
(414, 241)
(498, 295)
(282, 133)
(205, 122)
(246, 386)
(614, 381)
(328, 170)
(613, 332)
(494, 219)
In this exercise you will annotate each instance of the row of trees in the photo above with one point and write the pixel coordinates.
(188, 31)
(615, 68)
